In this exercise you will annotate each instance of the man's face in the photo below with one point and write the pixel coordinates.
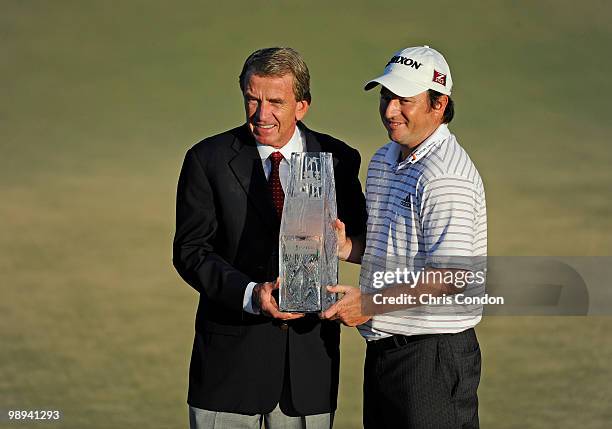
(271, 108)
(409, 120)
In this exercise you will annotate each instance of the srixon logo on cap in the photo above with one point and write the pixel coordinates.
(439, 78)
(405, 61)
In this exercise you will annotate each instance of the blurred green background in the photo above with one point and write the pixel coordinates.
(100, 101)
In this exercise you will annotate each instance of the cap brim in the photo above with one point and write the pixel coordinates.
(397, 85)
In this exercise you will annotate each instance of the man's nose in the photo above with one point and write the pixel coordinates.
(264, 111)
(392, 108)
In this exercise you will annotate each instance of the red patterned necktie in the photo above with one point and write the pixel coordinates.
(278, 196)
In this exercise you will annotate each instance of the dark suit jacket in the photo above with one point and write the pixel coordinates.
(227, 236)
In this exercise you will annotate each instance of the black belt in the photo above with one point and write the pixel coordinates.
(397, 341)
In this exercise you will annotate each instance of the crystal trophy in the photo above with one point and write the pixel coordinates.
(308, 253)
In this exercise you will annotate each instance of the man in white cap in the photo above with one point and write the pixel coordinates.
(426, 211)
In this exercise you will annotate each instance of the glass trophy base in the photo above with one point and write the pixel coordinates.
(301, 292)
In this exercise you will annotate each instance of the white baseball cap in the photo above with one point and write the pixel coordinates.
(414, 70)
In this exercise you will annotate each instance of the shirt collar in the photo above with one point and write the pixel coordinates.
(393, 153)
(295, 144)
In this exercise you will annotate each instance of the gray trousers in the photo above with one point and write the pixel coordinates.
(205, 419)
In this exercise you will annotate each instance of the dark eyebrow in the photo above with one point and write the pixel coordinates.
(275, 100)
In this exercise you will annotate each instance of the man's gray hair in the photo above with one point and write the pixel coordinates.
(278, 62)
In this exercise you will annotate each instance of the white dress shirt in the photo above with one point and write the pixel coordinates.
(297, 143)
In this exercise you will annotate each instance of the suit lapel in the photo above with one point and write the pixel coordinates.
(313, 144)
(247, 168)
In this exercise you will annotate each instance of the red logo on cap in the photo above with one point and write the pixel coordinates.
(439, 78)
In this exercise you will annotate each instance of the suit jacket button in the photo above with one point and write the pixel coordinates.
(284, 326)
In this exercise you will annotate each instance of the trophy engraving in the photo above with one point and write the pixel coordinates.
(308, 254)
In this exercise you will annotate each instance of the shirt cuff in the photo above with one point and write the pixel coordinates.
(247, 301)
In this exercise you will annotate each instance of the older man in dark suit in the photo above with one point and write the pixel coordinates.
(252, 364)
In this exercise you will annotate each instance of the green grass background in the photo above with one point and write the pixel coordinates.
(100, 101)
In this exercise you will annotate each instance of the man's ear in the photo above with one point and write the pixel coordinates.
(302, 108)
(440, 105)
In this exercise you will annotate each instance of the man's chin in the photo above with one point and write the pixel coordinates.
(262, 139)
(267, 141)
(394, 136)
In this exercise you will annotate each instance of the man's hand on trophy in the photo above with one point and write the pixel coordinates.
(350, 249)
(347, 309)
(266, 303)
(344, 242)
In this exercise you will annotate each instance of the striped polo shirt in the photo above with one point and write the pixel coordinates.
(425, 211)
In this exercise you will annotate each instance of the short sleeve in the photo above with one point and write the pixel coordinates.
(449, 213)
